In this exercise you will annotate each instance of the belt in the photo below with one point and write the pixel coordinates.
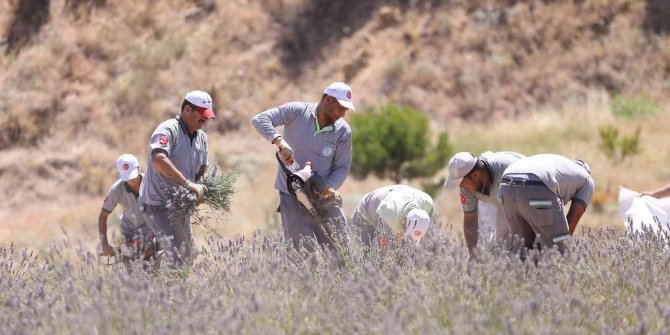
(512, 182)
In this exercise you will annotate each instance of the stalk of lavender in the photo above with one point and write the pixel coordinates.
(220, 188)
(182, 203)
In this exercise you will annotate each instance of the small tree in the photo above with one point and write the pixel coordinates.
(616, 148)
(394, 142)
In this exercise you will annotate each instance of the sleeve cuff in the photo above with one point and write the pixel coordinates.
(580, 201)
(155, 150)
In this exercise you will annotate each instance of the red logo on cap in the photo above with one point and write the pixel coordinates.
(417, 233)
(462, 198)
(348, 94)
(163, 140)
(126, 166)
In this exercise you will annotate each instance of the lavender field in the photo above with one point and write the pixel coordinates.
(608, 283)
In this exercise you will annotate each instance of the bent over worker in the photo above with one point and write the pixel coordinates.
(534, 191)
(137, 236)
(395, 211)
(479, 180)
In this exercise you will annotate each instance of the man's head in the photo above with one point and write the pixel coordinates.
(196, 109)
(128, 167)
(417, 222)
(336, 100)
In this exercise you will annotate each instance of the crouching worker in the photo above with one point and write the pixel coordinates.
(137, 236)
(396, 211)
(534, 191)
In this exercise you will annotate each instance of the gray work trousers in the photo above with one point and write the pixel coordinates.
(534, 213)
(300, 227)
(175, 238)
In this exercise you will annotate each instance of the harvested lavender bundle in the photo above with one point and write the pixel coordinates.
(182, 203)
(220, 188)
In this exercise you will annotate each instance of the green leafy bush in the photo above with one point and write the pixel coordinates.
(394, 142)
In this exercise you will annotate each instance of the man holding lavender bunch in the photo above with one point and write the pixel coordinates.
(177, 157)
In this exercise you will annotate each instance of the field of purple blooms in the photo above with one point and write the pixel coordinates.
(608, 283)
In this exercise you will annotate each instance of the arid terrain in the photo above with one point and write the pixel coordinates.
(84, 81)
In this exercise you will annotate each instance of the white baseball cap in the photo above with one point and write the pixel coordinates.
(128, 167)
(202, 101)
(459, 166)
(341, 92)
(417, 223)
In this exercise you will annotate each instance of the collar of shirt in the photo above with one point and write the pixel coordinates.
(182, 125)
(129, 189)
(316, 123)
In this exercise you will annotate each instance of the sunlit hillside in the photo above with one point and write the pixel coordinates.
(84, 81)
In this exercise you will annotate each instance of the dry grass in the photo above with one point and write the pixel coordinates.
(98, 78)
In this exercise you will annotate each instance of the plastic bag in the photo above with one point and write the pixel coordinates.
(638, 211)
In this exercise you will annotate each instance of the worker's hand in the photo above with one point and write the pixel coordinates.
(330, 197)
(330, 192)
(285, 151)
(643, 193)
(198, 189)
(107, 250)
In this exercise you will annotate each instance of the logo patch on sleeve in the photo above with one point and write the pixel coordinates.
(163, 140)
(383, 242)
(282, 106)
(463, 199)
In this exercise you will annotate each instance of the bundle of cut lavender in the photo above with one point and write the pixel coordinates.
(182, 203)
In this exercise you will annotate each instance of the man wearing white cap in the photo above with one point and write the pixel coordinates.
(313, 132)
(125, 191)
(177, 156)
(533, 192)
(479, 180)
(393, 211)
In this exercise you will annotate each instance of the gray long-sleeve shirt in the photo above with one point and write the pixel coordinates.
(328, 148)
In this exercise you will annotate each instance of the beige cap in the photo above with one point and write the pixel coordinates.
(459, 166)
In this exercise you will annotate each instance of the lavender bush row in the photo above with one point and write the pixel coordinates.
(606, 284)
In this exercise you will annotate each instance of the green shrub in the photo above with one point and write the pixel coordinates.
(618, 149)
(394, 142)
(626, 106)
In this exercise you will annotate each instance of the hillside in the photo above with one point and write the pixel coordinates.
(86, 80)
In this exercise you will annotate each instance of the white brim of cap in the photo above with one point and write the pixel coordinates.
(418, 230)
(452, 183)
(130, 174)
(347, 104)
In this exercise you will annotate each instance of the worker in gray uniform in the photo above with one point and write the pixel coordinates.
(534, 191)
(177, 156)
(316, 133)
(390, 212)
(479, 180)
(125, 191)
